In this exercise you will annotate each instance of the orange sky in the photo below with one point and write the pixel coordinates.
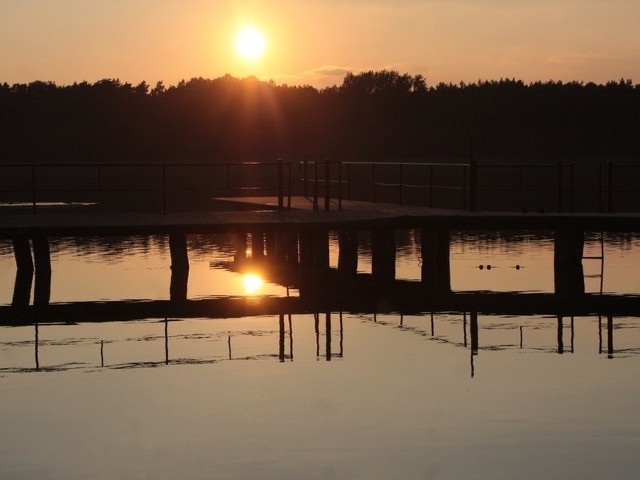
(317, 41)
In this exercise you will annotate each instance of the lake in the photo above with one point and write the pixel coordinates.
(326, 394)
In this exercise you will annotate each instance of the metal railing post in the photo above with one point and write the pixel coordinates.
(610, 187)
(33, 189)
(339, 185)
(280, 186)
(600, 188)
(327, 185)
(572, 186)
(430, 186)
(373, 176)
(289, 185)
(100, 196)
(164, 188)
(473, 185)
(305, 179)
(560, 187)
(464, 187)
(400, 185)
(315, 186)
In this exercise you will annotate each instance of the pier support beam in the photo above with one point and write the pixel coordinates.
(270, 244)
(22, 253)
(286, 247)
(567, 259)
(241, 248)
(42, 260)
(22, 288)
(383, 255)
(314, 259)
(473, 330)
(314, 250)
(179, 267)
(436, 271)
(24, 274)
(257, 245)
(41, 254)
(348, 252)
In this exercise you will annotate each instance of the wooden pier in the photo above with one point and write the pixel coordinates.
(299, 234)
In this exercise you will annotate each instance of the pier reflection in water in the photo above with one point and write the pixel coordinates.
(319, 393)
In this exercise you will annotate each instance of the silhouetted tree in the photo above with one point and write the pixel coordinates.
(371, 115)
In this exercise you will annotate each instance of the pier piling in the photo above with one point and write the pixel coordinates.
(436, 272)
(383, 254)
(348, 252)
(567, 260)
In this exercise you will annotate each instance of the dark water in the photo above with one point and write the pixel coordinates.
(321, 395)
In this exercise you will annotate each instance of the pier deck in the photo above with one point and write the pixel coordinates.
(246, 214)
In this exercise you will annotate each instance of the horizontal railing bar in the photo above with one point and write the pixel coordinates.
(410, 164)
(137, 165)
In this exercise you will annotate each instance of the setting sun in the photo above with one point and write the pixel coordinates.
(250, 43)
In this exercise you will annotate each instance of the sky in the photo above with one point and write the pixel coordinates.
(316, 42)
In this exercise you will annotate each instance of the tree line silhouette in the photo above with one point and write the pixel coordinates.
(375, 115)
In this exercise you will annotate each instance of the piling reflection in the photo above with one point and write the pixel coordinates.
(329, 286)
(274, 338)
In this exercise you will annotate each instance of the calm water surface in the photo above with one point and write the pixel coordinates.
(320, 396)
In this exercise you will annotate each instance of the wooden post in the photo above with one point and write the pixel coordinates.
(179, 267)
(281, 338)
(568, 271)
(560, 335)
(348, 252)
(42, 288)
(178, 285)
(306, 250)
(22, 253)
(328, 354)
(436, 272)
(473, 330)
(22, 288)
(178, 251)
(383, 254)
(270, 243)
(257, 245)
(41, 254)
(42, 260)
(321, 249)
(314, 259)
(610, 336)
(241, 248)
(287, 247)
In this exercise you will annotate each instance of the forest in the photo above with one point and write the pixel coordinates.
(375, 115)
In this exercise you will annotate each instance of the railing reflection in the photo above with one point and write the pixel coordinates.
(442, 327)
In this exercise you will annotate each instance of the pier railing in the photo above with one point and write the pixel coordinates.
(618, 186)
(559, 187)
(547, 187)
(156, 187)
(409, 183)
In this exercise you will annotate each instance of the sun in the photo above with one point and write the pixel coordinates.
(250, 43)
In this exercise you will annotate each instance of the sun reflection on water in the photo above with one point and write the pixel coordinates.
(252, 283)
